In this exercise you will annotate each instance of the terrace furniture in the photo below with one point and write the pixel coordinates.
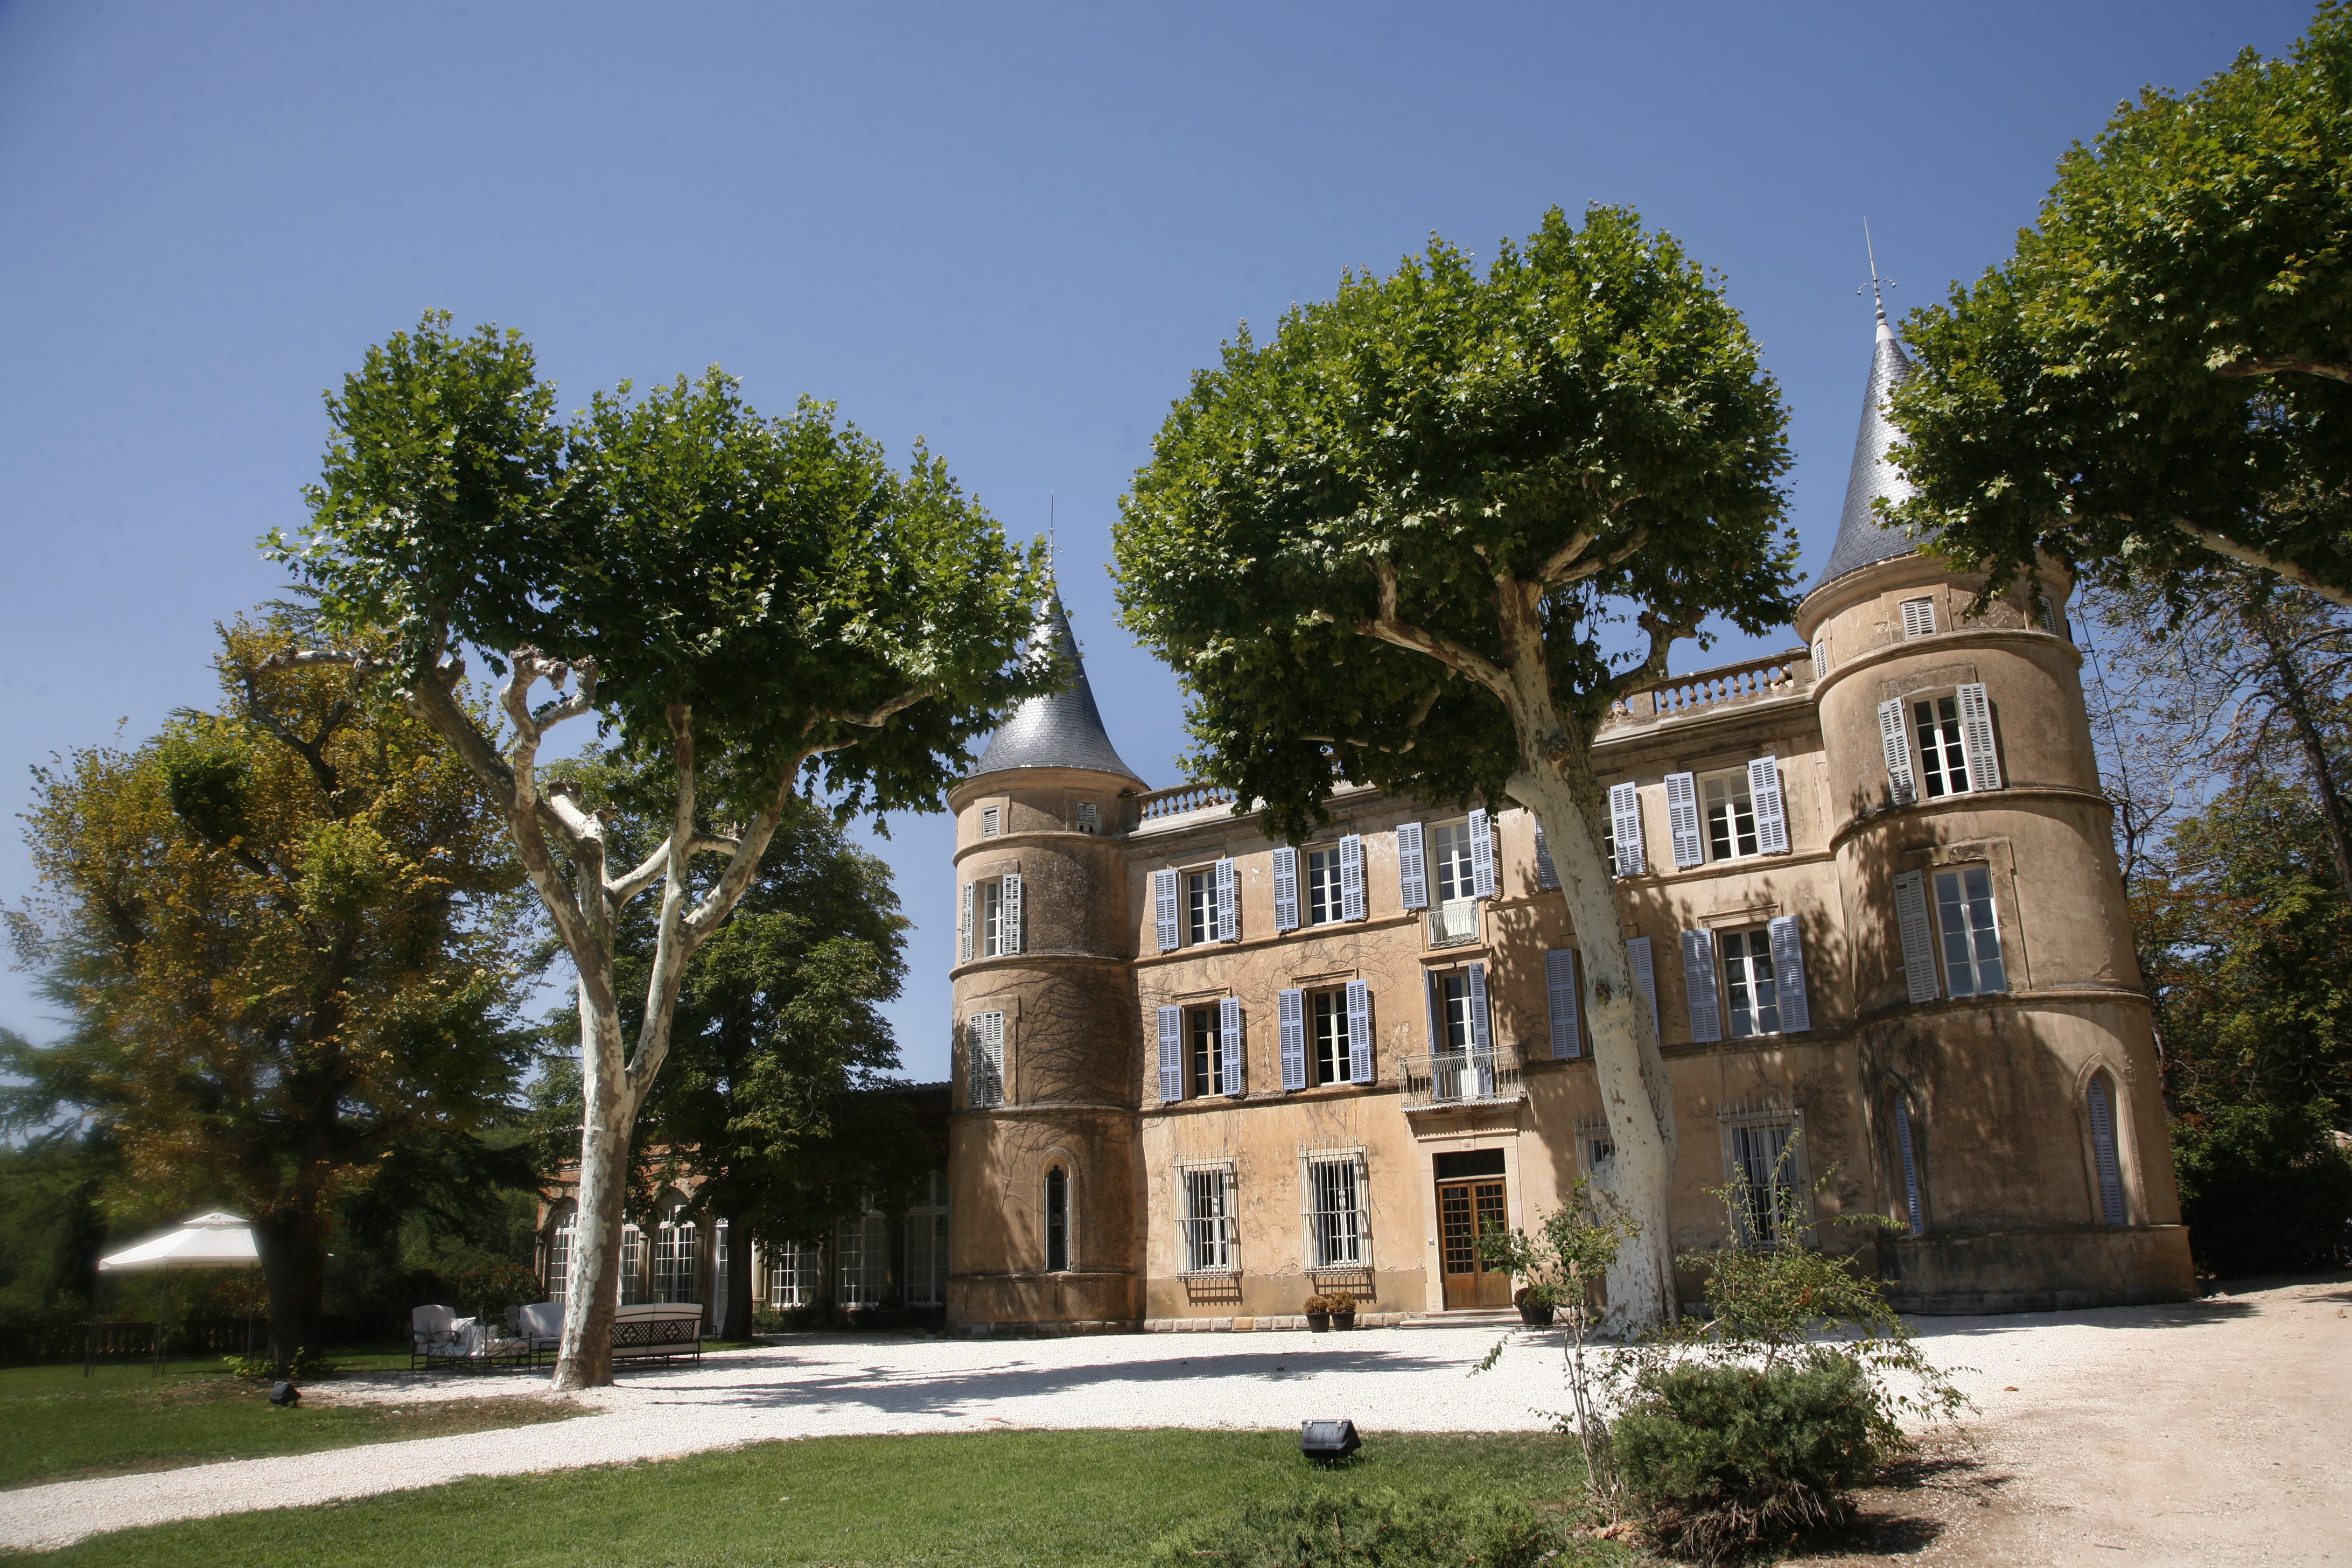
(432, 1337)
(541, 1327)
(657, 1331)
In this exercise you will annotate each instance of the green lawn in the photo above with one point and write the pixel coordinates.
(979, 1502)
(55, 1425)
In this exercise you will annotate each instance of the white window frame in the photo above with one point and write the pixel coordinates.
(1734, 789)
(1335, 1209)
(992, 821)
(983, 1050)
(1940, 753)
(633, 1264)
(563, 1240)
(1971, 962)
(927, 1243)
(1744, 969)
(1453, 858)
(1211, 1239)
(1323, 896)
(678, 1245)
(795, 1271)
(1787, 1211)
(862, 1259)
(1918, 618)
(1330, 1003)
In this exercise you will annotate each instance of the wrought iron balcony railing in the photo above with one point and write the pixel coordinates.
(1462, 1077)
(1453, 923)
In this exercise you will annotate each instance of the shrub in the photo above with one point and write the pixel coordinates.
(1375, 1530)
(2265, 1189)
(1316, 1304)
(1718, 1458)
(1340, 1301)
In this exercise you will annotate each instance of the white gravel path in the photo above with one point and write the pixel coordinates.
(1386, 1380)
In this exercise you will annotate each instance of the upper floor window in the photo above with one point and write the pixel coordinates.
(988, 924)
(1206, 1043)
(1057, 1220)
(1971, 931)
(1332, 1037)
(984, 1046)
(1730, 816)
(1918, 618)
(1450, 856)
(991, 919)
(1747, 976)
(1943, 755)
(1199, 908)
(1323, 889)
(1088, 816)
(992, 821)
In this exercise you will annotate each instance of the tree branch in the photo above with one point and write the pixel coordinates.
(2275, 365)
(1389, 627)
(2245, 554)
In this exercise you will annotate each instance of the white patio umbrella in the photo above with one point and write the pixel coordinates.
(208, 1241)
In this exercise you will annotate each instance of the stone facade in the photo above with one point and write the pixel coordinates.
(1914, 980)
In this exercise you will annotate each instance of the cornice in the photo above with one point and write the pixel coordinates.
(1923, 647)
(1971, 801)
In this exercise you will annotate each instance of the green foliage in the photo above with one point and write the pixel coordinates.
(1379, 1529)
(1582, 435)
(2265, 1189)
(2166, 346)
(1720, 1459)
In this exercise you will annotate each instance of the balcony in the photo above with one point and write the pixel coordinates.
(1462, 1077)
(1750, 680)
(1453, 923)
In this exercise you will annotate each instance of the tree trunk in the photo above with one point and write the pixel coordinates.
(2294, 696)
(608, 1116)
(294, 1270)
(738, 1279)
(1636, 1094)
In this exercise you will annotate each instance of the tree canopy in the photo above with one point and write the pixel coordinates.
(2161, 375)
(286, 933)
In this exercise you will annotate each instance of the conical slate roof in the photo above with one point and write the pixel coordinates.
(1063, 730)
(1862, 539)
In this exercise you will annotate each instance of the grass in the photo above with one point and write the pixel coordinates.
(55, 1425)
(988, 1500)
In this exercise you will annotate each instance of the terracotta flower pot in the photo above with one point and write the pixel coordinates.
(1320, 1322)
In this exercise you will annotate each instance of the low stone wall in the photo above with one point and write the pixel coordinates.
(2041, 1270)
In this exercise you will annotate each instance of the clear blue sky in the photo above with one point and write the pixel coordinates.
(1014, 230)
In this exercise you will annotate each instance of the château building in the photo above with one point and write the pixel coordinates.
(1868, 886)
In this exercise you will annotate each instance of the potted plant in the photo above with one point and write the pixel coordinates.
(1343, 1308)
(1318, 1313)
(1536, 1304)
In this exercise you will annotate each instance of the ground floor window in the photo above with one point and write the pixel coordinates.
(1748, 969)
(2103, 1149)
(927, 1243)
(633, 1264)
(864, 1249)
(1057, 1220)
(559, 1244)
(677, 1242)
(1339, 1228)
(1764, 1175)
(1210, 1218)
(795, 1275)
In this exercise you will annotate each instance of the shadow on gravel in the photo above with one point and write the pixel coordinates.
(1918, 1503)
(2168, 1315)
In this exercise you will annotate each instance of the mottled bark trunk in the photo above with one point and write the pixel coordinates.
(2294, 696)
(1636, 1094)
(607, 1117)
(293, 1250)
(738, 1280)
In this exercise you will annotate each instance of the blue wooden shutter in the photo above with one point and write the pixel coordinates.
(1351, 877)
(1163, 908)
(1645, 975)
(2103, 1152)
(1698, 986)
(1360, 1032)
(1412, 870)
(1547, 874)
(1228, 903)
(1480, 1039)
(1895, 743)
(1976, 737)
(1910, 1164)
(1482, 855)
(984, 1044)
(1171, 1053)
(1789, 974)
(1625, 830)
(1290, 1023)
(1012, 912)
(1682, 820)
(1429, 999)
(1285, 889)
(1234, 1079)
(965, 923)
(1560, 988)
(1771, 811)
(1918, 944)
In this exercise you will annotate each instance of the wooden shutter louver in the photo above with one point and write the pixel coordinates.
(1228, 903)
(1232, 1080)
(1012, 917)
(1482, 855)
(984, 1037)
(1429, 999)
(1771, 810)
(1163, 909)
(1645, 975)
(1976, 737)
(1559, 991)
(1918, 943)
(1698, 986)
(2103, 1151)
(1625, 830)
(1894, 740)
(1820, 658)
(1413, 869)
(1360, 1032)
(1547, 874)
(1918, 618)
(1286, 888)
(1789, 974)
(1290, 1026)
(1910, 1165)
(964, 923)
(1682, 820)
(1351, 876)
(1171, 1053)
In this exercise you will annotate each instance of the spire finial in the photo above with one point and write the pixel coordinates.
(1876, 285)
(1053, 550)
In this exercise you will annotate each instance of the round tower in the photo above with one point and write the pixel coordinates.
(1042, 1142)
(2002, 1029)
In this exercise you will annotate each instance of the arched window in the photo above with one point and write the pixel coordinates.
(560, 1238)
(1057, 1220)
(1913, 1210)
(676, 1240)
(2108, 1168)
(633, 1264)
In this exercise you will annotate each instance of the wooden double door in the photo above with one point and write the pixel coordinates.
(1472, 1199)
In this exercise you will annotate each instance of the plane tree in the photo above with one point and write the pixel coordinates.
(764, 608)
(1426, 537)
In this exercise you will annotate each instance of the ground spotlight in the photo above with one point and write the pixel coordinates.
(1329, 1442)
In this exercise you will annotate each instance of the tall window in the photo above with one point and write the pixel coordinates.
(1057, 1220)
(795, 1277)
(676, 1239)
(1199, 908)
(991, 918)
(1212, 1238)
(2105, 1162)
(1748, 975)
(1913, 1210)
(633, 1264)
(1323, 903)
(1964, 918)
(863, 1246)
(1208, 1050)
(927, 1242)
(721, 1258)
(1450, 862)
(1730, 818)
(1454, 1026)
(1338, 1228)
(1763, 1172)
(559, 1242)
(1943, 758)
(1331, 1054)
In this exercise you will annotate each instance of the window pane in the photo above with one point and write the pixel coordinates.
(1451, 846)
(1730, 818)
(1199, 908)
(1208, 1054)
(1453, 991)
(1330, 1036)
(991, 919)
(1747, 971)
(1943, 758)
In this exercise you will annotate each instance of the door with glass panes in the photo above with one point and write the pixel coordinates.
(1471, 1201)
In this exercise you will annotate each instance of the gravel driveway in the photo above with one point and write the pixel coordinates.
(2101, 1397)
